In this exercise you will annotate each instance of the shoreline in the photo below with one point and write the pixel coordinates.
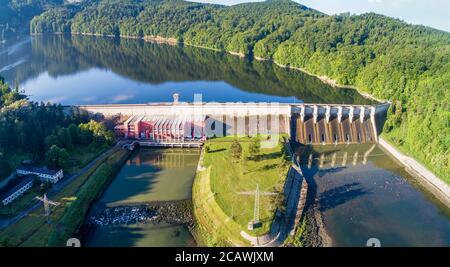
(433, 183)
(173, 41)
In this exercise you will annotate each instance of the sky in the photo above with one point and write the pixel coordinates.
(433, 13)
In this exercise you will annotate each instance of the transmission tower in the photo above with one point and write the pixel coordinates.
(256, 208)
(256, 222)
(47, 204)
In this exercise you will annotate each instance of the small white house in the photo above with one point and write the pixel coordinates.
(15, 189)
(45, 175)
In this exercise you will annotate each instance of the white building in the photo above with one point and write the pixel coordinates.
(15, 189)
(45, 175)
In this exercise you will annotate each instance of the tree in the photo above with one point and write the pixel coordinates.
(5, 168)
(64, 138)
(57, 157)
(74, 132)
(84, 134)
(255, 147)
(52, 156)
(63, 158)
(280, 202)
(50, 141)
(236, 150)
(110, 137)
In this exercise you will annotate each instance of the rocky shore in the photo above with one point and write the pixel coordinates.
(123, 215)
(173, 212)
(316, 234)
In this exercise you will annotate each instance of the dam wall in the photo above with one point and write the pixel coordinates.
(304, 123)
(221, 119)
(337, 124)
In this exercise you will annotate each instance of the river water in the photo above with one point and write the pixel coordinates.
(374, 197)
(149, 175)
(362, 192)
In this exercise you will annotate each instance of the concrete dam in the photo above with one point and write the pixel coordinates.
(336, 124)
(179, 122)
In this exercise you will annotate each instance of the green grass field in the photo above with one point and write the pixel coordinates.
(214, 228)
(80, 156)
(229, 179)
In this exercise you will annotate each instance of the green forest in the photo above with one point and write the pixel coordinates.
(388, 58)
(15, 15)
(43, 133)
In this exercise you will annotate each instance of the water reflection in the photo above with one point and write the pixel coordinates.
(143, 235)
(151, 175)
(334, 197)
(83, 70)
(154, 175)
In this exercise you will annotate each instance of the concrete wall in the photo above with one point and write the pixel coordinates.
(312, 121)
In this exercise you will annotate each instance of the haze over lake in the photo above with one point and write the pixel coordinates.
(96, 70)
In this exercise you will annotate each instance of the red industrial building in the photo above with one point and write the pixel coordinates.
(163, 128)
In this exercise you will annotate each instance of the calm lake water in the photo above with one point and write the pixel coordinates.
(95, 70)
(363, 193)
(149, 175)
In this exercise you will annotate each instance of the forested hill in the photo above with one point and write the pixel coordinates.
(385, 57)
(15, 15)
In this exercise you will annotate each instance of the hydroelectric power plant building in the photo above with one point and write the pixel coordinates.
(161, 128)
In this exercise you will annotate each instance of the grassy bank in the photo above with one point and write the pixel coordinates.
(214, 227)
(75, 198)
(221, 210)
(299, 239)
(75, 213)
(82, 155)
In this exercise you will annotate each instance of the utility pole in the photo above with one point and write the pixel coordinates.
(47, 204)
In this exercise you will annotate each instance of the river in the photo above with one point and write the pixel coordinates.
(149, 175)
(374, 197)
(361, 192)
